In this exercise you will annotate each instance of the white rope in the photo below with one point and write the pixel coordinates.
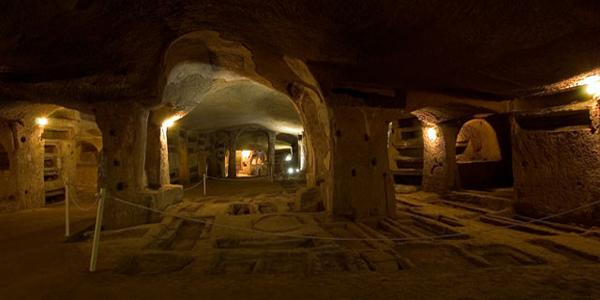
(450, 235)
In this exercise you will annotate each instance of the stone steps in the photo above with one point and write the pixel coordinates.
(409, 159)
(408, 172)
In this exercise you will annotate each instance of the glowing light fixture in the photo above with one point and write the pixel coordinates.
(592, 85)
(288, 157)
(41, 121)
(170, 121)
(432, 133)
(297, 170)
(246, 154)
(290, 171)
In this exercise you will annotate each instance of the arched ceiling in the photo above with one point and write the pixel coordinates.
(257, 139)
(244, 103)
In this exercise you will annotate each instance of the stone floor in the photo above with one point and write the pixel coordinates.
(245, 239)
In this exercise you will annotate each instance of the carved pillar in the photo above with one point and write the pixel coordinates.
(271, 158)
(232, 148)
(157, 156)
(362, 183)
(182, 149)
(439, 157)
(301, 152)
(28, 162)
(123, 127)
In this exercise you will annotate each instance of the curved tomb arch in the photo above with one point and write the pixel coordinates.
(86, 171)
(482, 160)
(476, 142)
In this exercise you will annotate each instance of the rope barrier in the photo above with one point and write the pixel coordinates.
(450, 235)
(195, 185)
(250, 178)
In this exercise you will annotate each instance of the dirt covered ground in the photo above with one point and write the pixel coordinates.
(244, 240)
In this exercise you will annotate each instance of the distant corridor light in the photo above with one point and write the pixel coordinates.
(290, 171)
(288, 157)
(41, 121)
(246, 154)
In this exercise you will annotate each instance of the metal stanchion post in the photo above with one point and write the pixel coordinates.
(97, 229)
(204, 183)
(67, 217)
(205, 176)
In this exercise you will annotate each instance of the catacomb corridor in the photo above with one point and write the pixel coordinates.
(331, 149)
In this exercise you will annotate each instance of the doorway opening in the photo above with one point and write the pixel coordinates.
(405, 152)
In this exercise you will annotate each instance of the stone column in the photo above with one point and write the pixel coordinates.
(157, 156)
(362, 183)
(439, 157)
(271, 156)
(69, 163)
(232, 148)
(182, 148)
(28, 160)
(123, 127)
(301, 152)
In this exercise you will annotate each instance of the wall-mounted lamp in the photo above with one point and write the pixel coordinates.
(592, 84)
(432, 133)
(170, 121)
(41, 121)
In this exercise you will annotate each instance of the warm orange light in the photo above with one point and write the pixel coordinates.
(592, 84)
(170, 121)
(41, 121)
(431, 133)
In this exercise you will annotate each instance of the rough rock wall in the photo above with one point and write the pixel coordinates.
(556, 170)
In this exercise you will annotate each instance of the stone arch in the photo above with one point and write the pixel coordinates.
(477, 141)
(202, 62)
(86, 168)
(482, 159)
